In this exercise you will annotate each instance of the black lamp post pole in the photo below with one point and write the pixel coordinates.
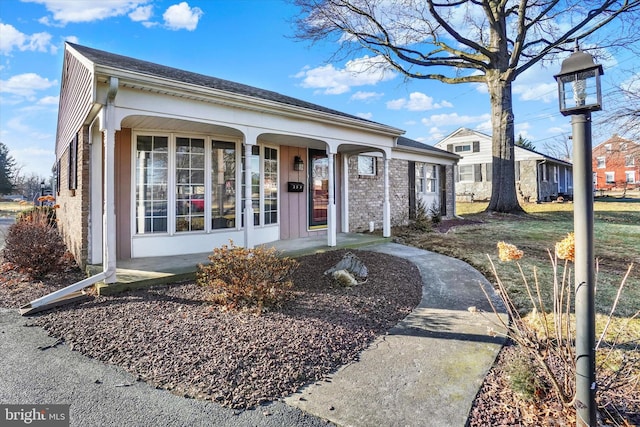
(584, 270)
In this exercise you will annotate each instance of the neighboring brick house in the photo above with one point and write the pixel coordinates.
(616, 164)
(539, 177)
(154, 161)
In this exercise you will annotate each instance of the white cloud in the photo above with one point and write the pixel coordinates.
(366, 116)
(182, 16)
(65, 11)
(142, 13)
(417, 102)
(11, 38)
(453, 119)
(25, 84)
(357, 72)
(485, 127)
(545, 92)
(556, 129)
(49, 100)
(366, 96)
(72, 39)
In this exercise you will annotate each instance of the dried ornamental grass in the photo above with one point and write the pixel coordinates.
(566, 248)
(508, 252)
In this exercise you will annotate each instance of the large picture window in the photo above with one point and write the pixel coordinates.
(152, 160)
(190, 184)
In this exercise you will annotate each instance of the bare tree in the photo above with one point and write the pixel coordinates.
(626, 112)
(560, 147)
(470, 41)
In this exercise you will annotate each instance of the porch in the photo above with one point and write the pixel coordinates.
(141, 272)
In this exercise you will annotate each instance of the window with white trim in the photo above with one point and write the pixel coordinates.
(420, 179)
(426, 178)
(465, 173)
(629, 161)
(223, 184)
(366, 165)
(610, 177)
(462, 148)
(151, 195)
(601, 162)
(270, 182)
(630, 177)
(189, 187)
(264, 185)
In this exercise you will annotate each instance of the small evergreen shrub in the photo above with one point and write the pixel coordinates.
(421, 221)
(523, 377)
(34, 244)
(240, 278)
(434, 213)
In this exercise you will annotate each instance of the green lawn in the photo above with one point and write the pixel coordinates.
(9, 209)
(616, 238)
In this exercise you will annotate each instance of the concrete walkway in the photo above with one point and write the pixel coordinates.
(425, 372)
(428, 369)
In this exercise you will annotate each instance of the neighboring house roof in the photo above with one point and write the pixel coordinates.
(465, 131)
(121, 62)
(616, 139)
(419, 146)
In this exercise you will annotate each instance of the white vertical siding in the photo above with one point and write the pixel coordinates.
(76, 100)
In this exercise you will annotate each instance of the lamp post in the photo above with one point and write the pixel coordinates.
(41, 192)
(579, 94)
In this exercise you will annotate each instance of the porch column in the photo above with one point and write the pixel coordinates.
(248, 203)
(345, 193)
(331, 214)
(386, 205)
(109, 211)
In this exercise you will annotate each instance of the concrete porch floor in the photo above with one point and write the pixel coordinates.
(140, 272)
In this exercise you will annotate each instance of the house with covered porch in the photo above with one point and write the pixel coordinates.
(157, 161)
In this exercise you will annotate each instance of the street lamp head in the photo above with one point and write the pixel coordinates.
(579, 84)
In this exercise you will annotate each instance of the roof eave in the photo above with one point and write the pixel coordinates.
(174, 87)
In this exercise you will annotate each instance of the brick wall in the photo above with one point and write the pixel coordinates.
(366, 194)
(73, 213)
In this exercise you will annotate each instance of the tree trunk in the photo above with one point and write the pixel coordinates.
(503, 190)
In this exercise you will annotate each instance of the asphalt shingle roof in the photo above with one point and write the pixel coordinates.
(107, 59)
(406, 142)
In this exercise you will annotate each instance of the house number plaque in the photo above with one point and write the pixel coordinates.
(295, 187)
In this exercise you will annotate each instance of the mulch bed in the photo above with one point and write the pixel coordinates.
(171, 337)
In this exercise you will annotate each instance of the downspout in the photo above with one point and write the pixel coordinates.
(72, 292)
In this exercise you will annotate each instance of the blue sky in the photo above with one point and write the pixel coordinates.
(247, 41)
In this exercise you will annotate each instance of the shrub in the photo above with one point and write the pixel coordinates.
(241, 278)
(34, 244)
(545, 339)
(523, 377)
(422, 220)
(434, 213)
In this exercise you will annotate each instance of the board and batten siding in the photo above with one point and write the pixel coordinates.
(76, 100)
